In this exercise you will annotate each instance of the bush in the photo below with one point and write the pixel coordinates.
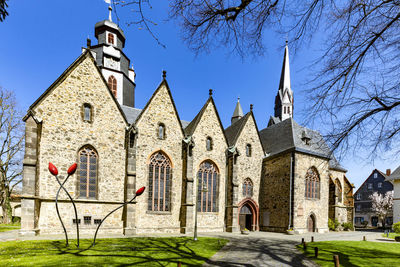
(333, 225)
(348, 226)
(365, 223)
(396, 227)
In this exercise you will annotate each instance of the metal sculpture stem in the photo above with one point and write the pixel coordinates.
(125, 203)
(73, 203)
(58, 213)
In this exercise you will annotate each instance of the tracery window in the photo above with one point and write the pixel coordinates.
(312, 183)
(88, 166)
(208, 176)
(160, 174)
(247, 188)
(112, 83)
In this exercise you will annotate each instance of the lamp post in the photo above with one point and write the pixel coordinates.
(204, 189)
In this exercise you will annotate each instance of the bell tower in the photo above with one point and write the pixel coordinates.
(284, 99)
(113, 63)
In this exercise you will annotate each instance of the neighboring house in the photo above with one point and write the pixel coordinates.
(239, 177)
(394, 179)
(363, 205)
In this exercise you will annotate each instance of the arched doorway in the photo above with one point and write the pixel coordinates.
(311, 223)
(248, 215)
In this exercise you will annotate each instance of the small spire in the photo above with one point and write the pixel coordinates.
(210, 92)
(88, 42)
(164, 74)
(251, 107)
(238, 113)
(109, 13)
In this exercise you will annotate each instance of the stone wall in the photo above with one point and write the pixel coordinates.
(209, 126)
(64, 132)
(159, 110)
(340, 208)
(274, 193)
(304, 207)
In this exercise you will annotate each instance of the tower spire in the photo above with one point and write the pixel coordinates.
(284, 98)
(109, 12)
(238, 113)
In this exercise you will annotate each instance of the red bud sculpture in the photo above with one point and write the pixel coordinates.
(53, 169)
(140, 191)
(72, 169)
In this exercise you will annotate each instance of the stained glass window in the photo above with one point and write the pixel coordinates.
(88, 161)
(159, 182)
(207, 176)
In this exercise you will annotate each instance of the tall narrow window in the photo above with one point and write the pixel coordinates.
(207, 193)
(88, 161)
(161, 131)
(312, 183)
(131, 139)
(87, 112)
(247, 188)
(110, 38)
(248, 150)
(209, 144)
(112, 83)
(159, 182)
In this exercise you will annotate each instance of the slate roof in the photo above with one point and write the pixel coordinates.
(394, 176)
(232, 132)
(133, 113)
(288, 135)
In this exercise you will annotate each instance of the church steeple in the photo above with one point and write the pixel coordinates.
(238, 113)
(284, 98)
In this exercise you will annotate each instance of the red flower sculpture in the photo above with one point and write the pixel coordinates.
(53, 169)
(72, 169)
(140, 191)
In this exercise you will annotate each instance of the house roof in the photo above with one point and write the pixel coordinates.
(394, 176)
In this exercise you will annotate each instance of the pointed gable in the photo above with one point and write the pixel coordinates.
(159, 108)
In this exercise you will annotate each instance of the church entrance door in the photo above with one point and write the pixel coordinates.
(248, 215)
(311, 223)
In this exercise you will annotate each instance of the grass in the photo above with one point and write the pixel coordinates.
(355, 253)
(111, 252)
(8, 227)
(391, 235)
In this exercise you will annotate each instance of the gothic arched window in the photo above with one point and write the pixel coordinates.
(87, 174)
(338, 190)
(110, 38)
(87, 112)
(112, 83)
(160, 174)
(207, 193)
(247, 188)
(209, 144)
(312, 183)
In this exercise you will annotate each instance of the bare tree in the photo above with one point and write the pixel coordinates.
(382, 205)
(3, 11)
(355, 85)
(11, 146)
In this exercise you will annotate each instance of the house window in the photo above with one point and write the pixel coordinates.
(379, 185)
(375, 175)
(207, 191)
(112, 84)
(87, 181)
(161, 131)
(248, 150)
(288, 110)
(338, 189)
(87, 112)
(359, 220)
(97, 221)
(110, 38)
(209, 144)
(87, 220)
(312, 183)
(358, 208)
(247, 188)
(74, 221)
(160, 172)
(358, 196)
(370, 186)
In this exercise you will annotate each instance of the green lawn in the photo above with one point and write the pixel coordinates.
(391, 235)
(8, 227)
(111, 252)
(355, 253)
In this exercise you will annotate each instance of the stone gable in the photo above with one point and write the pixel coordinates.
(160, 109)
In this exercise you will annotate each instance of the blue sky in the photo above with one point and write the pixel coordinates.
(40, 39)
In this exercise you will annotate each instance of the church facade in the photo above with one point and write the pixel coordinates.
(196, 173)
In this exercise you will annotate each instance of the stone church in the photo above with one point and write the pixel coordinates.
(198, 172)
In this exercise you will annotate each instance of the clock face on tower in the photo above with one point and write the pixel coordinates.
(111, 63)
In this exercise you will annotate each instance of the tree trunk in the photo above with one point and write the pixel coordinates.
(7, 210)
